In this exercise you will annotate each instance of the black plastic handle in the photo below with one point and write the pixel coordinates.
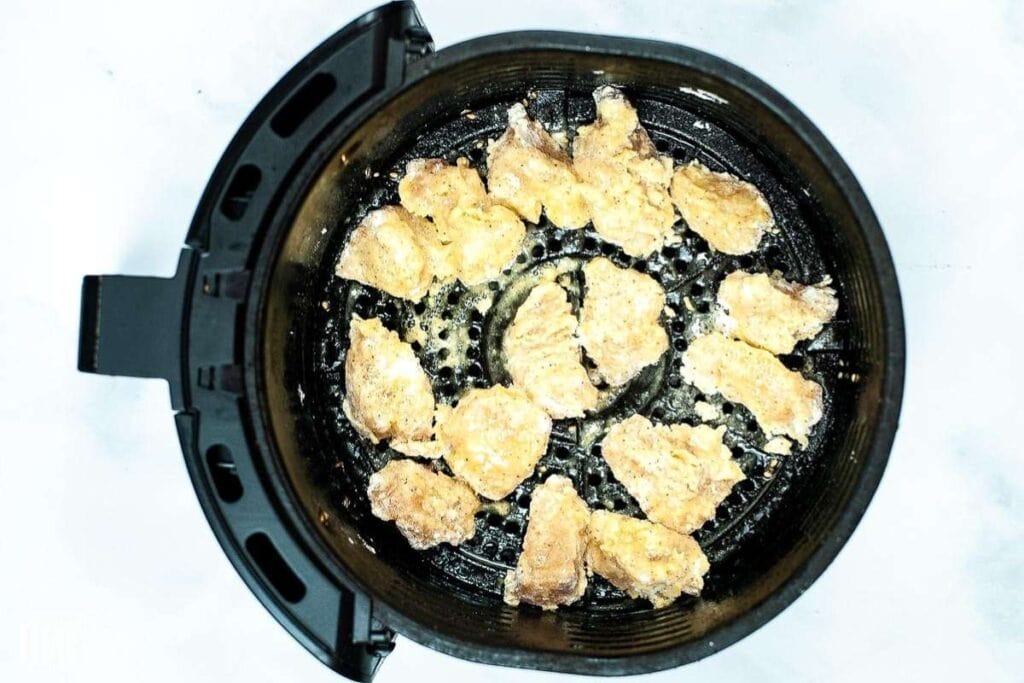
(188, 330)
(133, 326)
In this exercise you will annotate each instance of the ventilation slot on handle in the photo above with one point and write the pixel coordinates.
(274, 568)
(303, 103)
(222, 470)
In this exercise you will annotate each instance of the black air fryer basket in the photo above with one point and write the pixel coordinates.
(251, 332)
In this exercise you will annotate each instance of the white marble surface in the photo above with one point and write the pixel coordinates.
(113, 115)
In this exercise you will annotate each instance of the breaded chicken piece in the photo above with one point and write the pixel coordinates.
(394, 251)
(493, 439)
(527, 170)
(772, 313)
(677, 473)
(543, 354)
(646, 560)
(480, 237)
(551, 570)
(626, 180)
(732, 215)
(487, 238)
(428, 507)
(782, 401)
(434, 188)
(619, 320)
(387, 393)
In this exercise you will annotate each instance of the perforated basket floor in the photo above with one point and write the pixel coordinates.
(461, 348)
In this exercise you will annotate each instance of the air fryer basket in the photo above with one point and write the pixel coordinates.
(283, 476)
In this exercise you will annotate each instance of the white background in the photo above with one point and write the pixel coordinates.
(112, 116)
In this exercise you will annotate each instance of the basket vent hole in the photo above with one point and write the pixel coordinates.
(222, 469)
(745, 261)
(792, 362)
(537, 251)
(302, 104)
(594, 479)
(735, 498)
(523, 501)
(274, 568)
(240, 191)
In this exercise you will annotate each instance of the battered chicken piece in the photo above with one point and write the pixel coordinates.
(550, 571)
(782, 401)
(395, 251)
(543, 354)
(619, 320)
(772, 313)
(626, 181)
(646, 560)
(527, 169)
(480, 237)
(677, 473)
(428, 507)
(732, 215)
(493, 439)
(433, 187)
(388, 395)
